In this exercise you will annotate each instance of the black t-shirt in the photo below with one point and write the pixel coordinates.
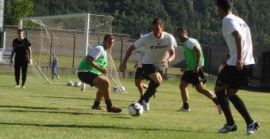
(21, 49)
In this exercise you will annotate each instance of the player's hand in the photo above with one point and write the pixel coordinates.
(197, 69)
(165, 63)
(122, 67)
(221, 67)
(11, 62)
(239, 64)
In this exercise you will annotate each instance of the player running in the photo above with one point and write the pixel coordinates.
(237, 67)
(193, 73)
(155, 44)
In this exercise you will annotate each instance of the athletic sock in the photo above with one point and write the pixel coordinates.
(108, 103)
(96, 103)
(151, 90)
(224, 104)
(185, 105)
(241, 108)
(215, 100)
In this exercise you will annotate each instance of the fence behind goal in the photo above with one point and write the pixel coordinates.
(66, 36)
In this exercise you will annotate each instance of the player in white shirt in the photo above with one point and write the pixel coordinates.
(237, 67)
(156, 44)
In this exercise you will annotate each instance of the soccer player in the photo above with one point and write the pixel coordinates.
(237, 69)
(193, 73)
(22, 50)
(92, 70)
(155, 44)
(54, 67)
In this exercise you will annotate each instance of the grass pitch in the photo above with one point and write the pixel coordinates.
(57, 111)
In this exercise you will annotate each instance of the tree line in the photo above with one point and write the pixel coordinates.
(135, 16)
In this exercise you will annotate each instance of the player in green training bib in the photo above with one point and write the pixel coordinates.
(193, 73)
(92, 70)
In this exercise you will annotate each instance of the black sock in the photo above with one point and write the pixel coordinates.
(96, 104)
(215, 100)
(108, 103)
(185, 105)
(151, 90)
(241, 108)
(224, 104)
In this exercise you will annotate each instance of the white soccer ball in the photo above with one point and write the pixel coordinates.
(135, 109)
(78, 84)
(119, 89)
(70, 83)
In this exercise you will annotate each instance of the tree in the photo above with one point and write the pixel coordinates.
(19, 9)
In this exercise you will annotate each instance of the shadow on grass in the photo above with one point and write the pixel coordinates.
(60, 97)
(63, 97)
(27, 109)
(102, 127)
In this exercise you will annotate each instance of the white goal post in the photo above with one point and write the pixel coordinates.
(67, 36)
(87, 23)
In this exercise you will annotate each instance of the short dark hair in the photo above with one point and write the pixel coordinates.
(225, 5)
(19, 30)
(158, 21)
(181, 29)
(107, 36)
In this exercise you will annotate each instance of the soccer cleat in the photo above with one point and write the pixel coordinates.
(228, 128)
(146, 106)
(182, 109)
(97, 108)
(219, 109)
(23, 87)
(17, 86)
(252, 127)
(114, 109)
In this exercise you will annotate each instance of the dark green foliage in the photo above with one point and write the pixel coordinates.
(135, 16)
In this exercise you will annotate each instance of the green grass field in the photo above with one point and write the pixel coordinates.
(57, 111)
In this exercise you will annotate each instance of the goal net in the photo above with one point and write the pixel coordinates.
(66, 38)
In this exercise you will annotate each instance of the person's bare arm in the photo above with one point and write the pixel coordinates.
(123, 65)
(199, 58)
(91, 61)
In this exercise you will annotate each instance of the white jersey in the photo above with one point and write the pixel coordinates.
(233, 23)
(139, 56)
(97, 52)
(155, 49)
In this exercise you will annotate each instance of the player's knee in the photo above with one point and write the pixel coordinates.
(138, 84)
(182, 88)
(102, 83)
(200, 88)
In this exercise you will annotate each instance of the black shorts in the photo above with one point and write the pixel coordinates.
(149, 69)
(193, 77)
(233, 78)
(87, 77)
(139, 74)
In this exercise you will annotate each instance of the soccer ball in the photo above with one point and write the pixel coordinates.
(119, 89)
(135, 109)
(70, 83)
(78, 84)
